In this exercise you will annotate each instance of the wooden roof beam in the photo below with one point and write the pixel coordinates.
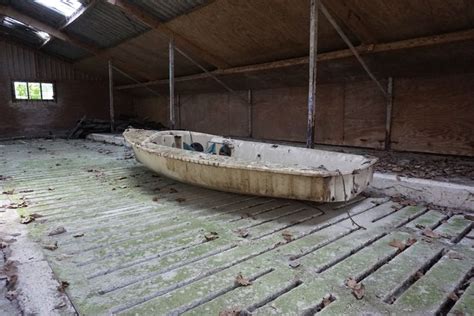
(104, 54)
(25, 19)
(447, 38)
(347, 14)
(180, 41)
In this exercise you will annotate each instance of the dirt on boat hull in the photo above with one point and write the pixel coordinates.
(243, 176)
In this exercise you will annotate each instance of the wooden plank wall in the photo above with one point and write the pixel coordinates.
(430, 114)
(78, 94)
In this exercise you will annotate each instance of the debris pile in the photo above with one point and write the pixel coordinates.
(87, 126)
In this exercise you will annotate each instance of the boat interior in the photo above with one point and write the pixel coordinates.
(258, 152)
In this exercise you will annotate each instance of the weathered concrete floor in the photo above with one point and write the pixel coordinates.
(135, 243)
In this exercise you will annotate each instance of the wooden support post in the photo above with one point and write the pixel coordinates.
(388, 117)
(313, 51)
(171, 80)
(111, 97)
(250, 112)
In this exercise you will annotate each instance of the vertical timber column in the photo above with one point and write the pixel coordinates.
(111, 97)
(171, 81)
(313, 51)
(388, 114)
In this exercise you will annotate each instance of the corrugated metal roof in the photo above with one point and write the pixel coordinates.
(20, 33)
(63, 49)
(104, 25)
(39, 12)
(166, 10)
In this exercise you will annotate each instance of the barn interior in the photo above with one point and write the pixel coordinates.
(86, 229)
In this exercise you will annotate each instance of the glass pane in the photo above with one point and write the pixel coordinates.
(35, 90)
(20, 90)
(48, 91)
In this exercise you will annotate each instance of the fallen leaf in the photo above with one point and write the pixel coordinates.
(122, 178)
(240, 280)
(52, 246)
(455, 255)
(358, 289)
(155, 199)
(230, 312)
(288, 236)
(63, 285)
(294, 264)
(328, 299)
(397, 244)
(173, 190)
(26, 219)
(418, 275)
(78, 235)
(410, 241)
(57, 231)
(11, 295)
(429, 233)
(180, 200)
(211, 236)
(419, 226)
(60, 305)
(469, 217)
(453, 296)
(9, 192)
(51, 189)
(26, 191)
(242, 232)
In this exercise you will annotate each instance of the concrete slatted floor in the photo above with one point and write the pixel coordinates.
(135, 242)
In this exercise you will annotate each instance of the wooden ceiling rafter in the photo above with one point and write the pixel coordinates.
(347, 14)
(446, 38)
(180, 40)
(104, 54)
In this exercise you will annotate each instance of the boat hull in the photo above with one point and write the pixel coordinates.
(270, 183)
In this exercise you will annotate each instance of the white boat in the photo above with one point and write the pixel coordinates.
(254, 168)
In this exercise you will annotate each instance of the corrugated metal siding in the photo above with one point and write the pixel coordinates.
(22, 63)
(166, 10)
(104, 25)
(39, 12)
(63, 49)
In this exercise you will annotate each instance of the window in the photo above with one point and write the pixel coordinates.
(36, 91)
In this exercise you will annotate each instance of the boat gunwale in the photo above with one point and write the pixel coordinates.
(228, 162)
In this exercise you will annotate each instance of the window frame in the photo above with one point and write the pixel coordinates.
(28, 99)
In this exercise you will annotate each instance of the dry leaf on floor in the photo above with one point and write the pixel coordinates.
(294, 264)
(240, 280)
(429, 233)
(230, 312)
(453, 296)
(78, 235)
(455, 255)
(288, 236)
(52, 246)
(410, 241)
(122, 178)
(211, 236)
(180, 200)
(11, 295)
(328, 299)
(358, 289)
(63, 285)
(26, 219)
(242, 232)
(469, 217)
(419, 226)
(57, 231)
(173, 190)
(397, 244)
(155, 199)
(9, 192)
(418, 275)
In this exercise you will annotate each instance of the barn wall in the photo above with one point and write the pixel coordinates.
(77, 94)
(430, 114)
